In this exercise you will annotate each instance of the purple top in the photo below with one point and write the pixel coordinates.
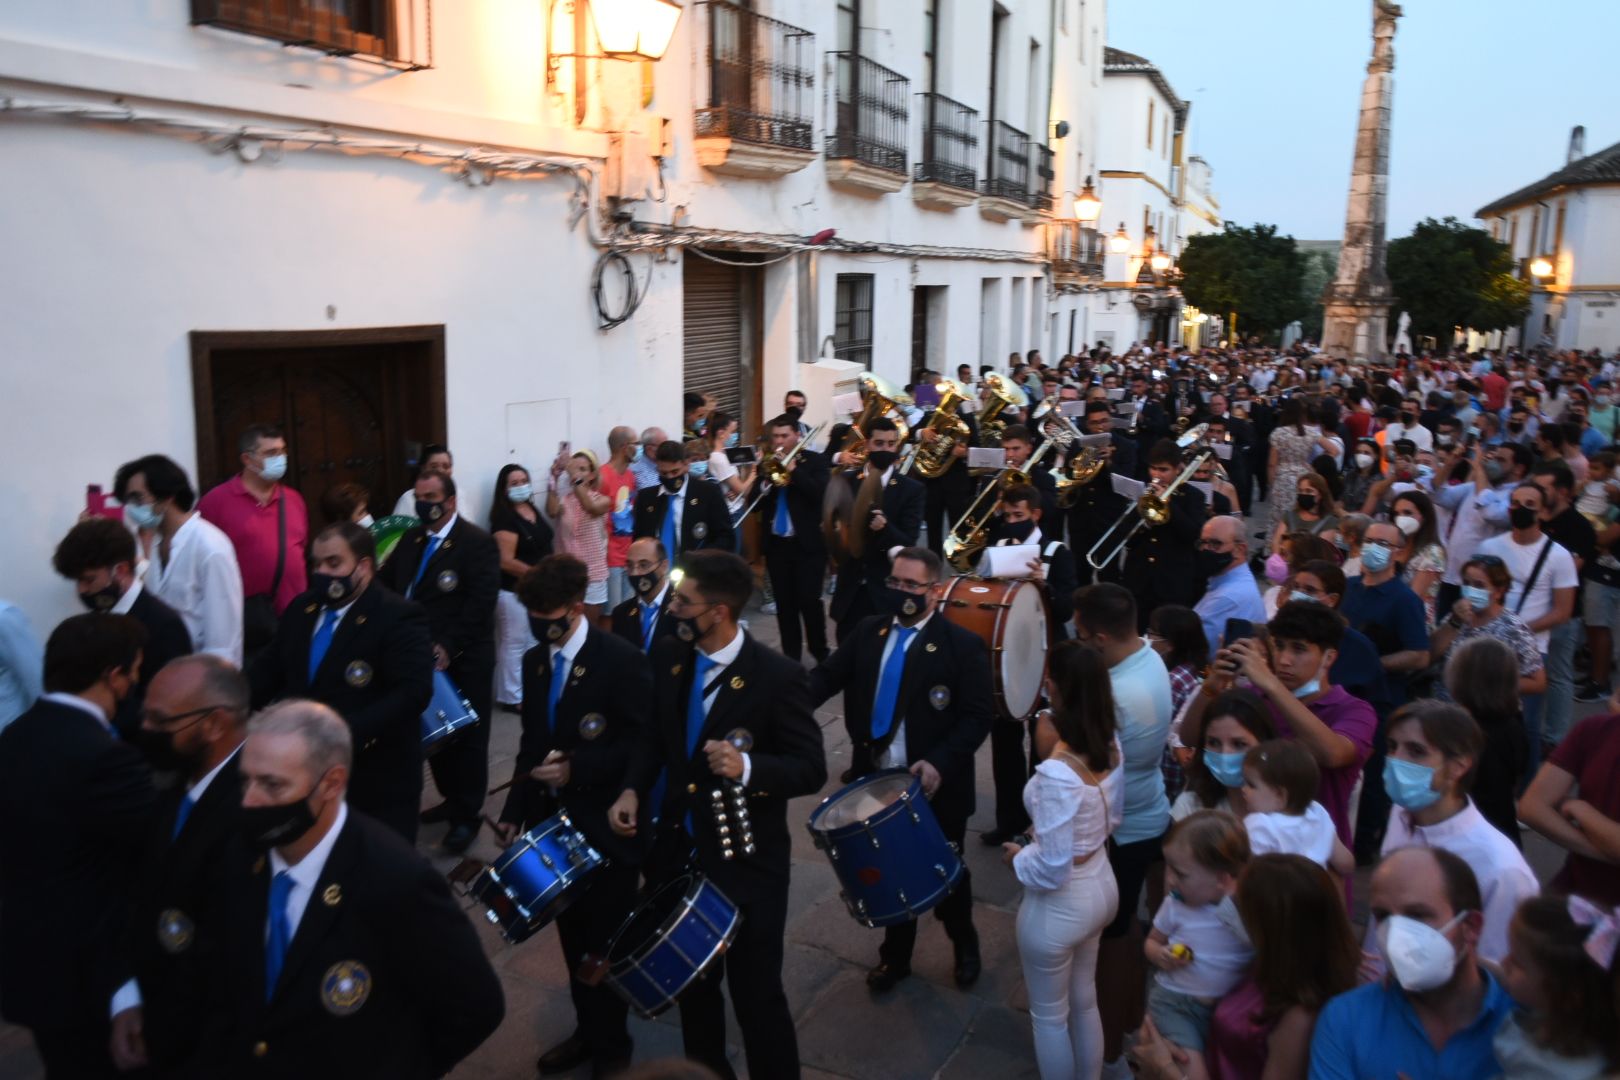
(1238, 1040)
(1355, 720)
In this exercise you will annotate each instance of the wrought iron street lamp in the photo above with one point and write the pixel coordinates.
(1087, 207)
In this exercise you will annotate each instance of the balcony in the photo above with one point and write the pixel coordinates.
(867, 150)
(1076, 252)
(1006, 188)
(393, 33)
(945, 178)
(1041, 194)
(759, 119)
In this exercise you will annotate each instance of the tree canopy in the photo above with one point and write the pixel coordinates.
(1249, 272)
(1448, 275)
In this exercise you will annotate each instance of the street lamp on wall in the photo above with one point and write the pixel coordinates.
(1120, 242)
(1087, 207)
(1541, 267)
(1160, 261)
(625, 30)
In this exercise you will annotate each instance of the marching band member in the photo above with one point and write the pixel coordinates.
(684, 515)
(947, 497)
(917, 695)
(795, 553)
(1019, 443)
(887, 515)
(643, 620)
(345, 953)
(1161, 561)
(585, 700)
(367, 654)
(727, 710)
(1096, 504)
(453, 568)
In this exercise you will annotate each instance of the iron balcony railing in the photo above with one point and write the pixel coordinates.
(1076, 249)
(1041, 193)
(1009, 163)
(761, 79)
(950, 147)
(395, 33)
(871, 113)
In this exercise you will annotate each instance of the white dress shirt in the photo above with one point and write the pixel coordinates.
(203, 583)
(570, 645)
(321, 617)
(127, 601)
(306, 875)
(723, 659)
(895, 756)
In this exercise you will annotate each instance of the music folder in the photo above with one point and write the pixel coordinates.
(1222, 450)
(986, 457)
(1007, 562)
(1129, 488)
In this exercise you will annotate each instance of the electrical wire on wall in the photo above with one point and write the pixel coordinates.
(633, 294)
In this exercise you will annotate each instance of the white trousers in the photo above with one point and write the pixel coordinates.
(1058, 931)
(512, 640)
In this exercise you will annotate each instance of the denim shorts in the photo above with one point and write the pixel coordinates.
(1602, 605)
(1180, 1018)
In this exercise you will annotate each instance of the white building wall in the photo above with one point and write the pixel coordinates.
(1579, 307)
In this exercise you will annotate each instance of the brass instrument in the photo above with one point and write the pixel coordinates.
(971, 533)
(934, 459)
(1151, 508)
(775, 468)
(878, 399)
(1004, 395)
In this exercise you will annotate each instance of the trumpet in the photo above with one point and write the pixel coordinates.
(775, 469)
(878, 399)
(971, 533)
(1151, 508)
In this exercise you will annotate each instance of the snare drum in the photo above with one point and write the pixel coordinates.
(886, 847)
(669, 941)
(1011, 618)
(536, 878)
(447, 713)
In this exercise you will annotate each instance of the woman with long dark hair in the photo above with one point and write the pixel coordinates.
(1075, 799)
(1423, 558)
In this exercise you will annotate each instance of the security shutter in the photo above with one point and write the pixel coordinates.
(712, 309)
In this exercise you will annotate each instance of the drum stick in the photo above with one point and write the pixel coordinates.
(555, 755)
(509, 784)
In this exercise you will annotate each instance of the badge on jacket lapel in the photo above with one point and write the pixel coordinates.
(737, 682)
(357, 674)
(940, 697)
(175, 931)
(448, 580)
(332, 895)
(345, 987)
(700, 530)
(592, 725)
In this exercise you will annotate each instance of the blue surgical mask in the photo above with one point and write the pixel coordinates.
(1312, 687)
(520, 493)
(1375, 557)
(1478, 599)
(275, 467)
(698, 468)
(1409, 785)
(144, 515)
(1302, 598)
(733, 439)
(636, 455)
(1226, 768)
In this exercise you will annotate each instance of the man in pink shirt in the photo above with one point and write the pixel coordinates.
(619, 484)
(267, 525)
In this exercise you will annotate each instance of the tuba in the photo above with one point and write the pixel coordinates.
(1004, 395)
(878, 398)
(934, 459)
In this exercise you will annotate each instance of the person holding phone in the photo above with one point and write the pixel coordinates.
(720, 435)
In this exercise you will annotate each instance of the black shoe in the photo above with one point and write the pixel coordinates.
(569, 1054)
(1590, 691)
(885, 976)
(967, 962)
(459, 839)
(996, 837)
(849, 775)
(435, 814)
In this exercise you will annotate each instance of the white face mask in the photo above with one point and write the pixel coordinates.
(366, 521)
(1407, 524)
(1421, 956)
(1364, 461)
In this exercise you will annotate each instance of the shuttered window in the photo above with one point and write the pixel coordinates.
(712, 310)
(852, 320)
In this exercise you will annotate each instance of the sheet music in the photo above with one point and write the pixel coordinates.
(1124, 485)
(1097, 442)
(1207, 489)
(846, 404)
(1222, 450)
(986, 457)
(1007, 562)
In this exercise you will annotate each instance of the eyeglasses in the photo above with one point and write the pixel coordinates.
(1215, 546)
(678, 602)
(908, 586)
(151, 718)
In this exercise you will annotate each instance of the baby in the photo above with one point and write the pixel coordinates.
(1596, 503)
(1279, 788)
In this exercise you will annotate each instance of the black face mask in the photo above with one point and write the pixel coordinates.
(688, 630)
(1515, 426)
(1212, 563)
(549, 631)
(158, 749)
(333, 591)
(644, 584)
(102, 600)
(1016, 530)
(906, 606)
(265, 827)
(1306, 502)
(432, 513)
(672, 484)
(1408, 420)
(882, 459)
(1521, 517)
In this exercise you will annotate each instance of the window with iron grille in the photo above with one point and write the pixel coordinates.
(761, 79)
(871, 106)
(395, 33)
(852, 320)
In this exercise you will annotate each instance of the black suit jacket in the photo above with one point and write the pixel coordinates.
(175, 937)
(75, 807)
(627, 620)
(603, 714)
(901, 500)
(765, 693)
(1162, 560)
(946, 702)
(705, 519)
(166, 639)
(459, 590)
(384, 976)
(804, 497)
(377, 674)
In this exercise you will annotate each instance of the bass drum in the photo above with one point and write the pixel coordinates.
(1011, 618)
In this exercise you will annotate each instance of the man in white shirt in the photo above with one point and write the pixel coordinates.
(192, 564)
(1407, 427)
(435, 459)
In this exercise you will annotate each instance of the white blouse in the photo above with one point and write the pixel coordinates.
(1071, 818)
(203, 584)
(1310, 834)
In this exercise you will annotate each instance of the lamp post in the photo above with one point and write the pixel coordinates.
(1087, 207)
(638, 30)
(1119, 243)
(1541, 267)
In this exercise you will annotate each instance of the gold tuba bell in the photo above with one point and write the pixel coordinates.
(934, 459)
(878, 398)
(1004, 395)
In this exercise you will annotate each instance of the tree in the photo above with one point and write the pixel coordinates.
(1249, 273)
(1448, 275)
(1320, 267)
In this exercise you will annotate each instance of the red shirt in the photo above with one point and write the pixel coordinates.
(254, 534)
(1591, 754)
(1494, 389)
(621, 488)
(1358, 423)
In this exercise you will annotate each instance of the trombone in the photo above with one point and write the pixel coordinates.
(971, 533)
(1150, 508)
(774, 469)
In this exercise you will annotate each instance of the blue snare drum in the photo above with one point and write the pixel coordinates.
(446, 714)
(535, 878)
(670, 940)
(886, 847)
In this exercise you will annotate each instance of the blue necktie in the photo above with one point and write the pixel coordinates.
(694, 702)
(321, 641)
(186, 805)
(783, 525)
(559, 676)
(432, 546)
(275, 945)
(888, 689)
(649, 617)
(669, 526)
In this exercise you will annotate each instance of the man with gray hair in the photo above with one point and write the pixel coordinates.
(346, 954)
(644, 468)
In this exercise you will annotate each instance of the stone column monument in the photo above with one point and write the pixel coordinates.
(1357, 302)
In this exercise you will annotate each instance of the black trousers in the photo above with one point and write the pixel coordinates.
(944, 502)
(861, 606)
(752, 968)
(586, 928)
(77, 1053)
(1009, 765)
(955, 911)
(796, 575)
(461, 770)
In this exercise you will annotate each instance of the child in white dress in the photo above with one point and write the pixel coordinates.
(1279, 786)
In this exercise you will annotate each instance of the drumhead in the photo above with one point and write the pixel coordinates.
(1023, 650)
(864, 801)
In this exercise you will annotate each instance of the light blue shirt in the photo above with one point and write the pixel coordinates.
(1232, 594)
(645, 470)
(1141, 686)
(22, 665)
(1372, 1033)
